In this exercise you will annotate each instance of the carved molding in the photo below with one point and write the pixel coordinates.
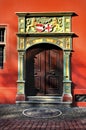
(62, 42)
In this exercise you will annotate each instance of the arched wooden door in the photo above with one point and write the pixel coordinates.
(44, 70)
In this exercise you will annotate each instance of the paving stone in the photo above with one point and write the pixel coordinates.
(11, 118)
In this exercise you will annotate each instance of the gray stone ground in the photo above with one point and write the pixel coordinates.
(15, 112)
(72, 118)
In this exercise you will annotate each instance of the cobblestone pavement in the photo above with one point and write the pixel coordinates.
(12, 118)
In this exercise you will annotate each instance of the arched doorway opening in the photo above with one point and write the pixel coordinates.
(44, 70)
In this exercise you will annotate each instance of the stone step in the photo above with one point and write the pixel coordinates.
(44, 99)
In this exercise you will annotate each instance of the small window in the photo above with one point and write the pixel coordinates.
(2, 45)
(1, 56)
(2, 34)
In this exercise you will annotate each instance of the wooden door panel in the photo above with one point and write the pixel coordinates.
(39, 73)
(37, 82)
(51, 85)
(53, 60)
(52, 71)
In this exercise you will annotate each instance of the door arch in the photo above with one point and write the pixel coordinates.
(44, 70)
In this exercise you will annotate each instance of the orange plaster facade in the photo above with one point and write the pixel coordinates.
(8, 18)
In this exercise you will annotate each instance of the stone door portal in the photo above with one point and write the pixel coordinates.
(44, 55)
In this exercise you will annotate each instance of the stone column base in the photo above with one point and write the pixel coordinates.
(67, 98)
(20, 97)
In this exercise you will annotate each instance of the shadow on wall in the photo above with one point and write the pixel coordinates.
(78, 74)
(7, 95)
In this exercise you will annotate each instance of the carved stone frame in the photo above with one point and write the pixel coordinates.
(26, 40)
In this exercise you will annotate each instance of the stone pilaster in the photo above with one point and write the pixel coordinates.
(20, 83)
(67, 96)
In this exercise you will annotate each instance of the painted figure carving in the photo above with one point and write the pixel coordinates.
(47, 25)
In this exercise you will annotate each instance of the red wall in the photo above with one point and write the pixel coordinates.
(8, 8)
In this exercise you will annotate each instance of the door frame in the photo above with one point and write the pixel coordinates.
(57, 33)
(66, 65)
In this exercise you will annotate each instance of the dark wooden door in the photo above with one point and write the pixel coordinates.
(45, 71)
(48, 71)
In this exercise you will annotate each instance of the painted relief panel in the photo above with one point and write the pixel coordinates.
(48, 24)
(44, 24)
